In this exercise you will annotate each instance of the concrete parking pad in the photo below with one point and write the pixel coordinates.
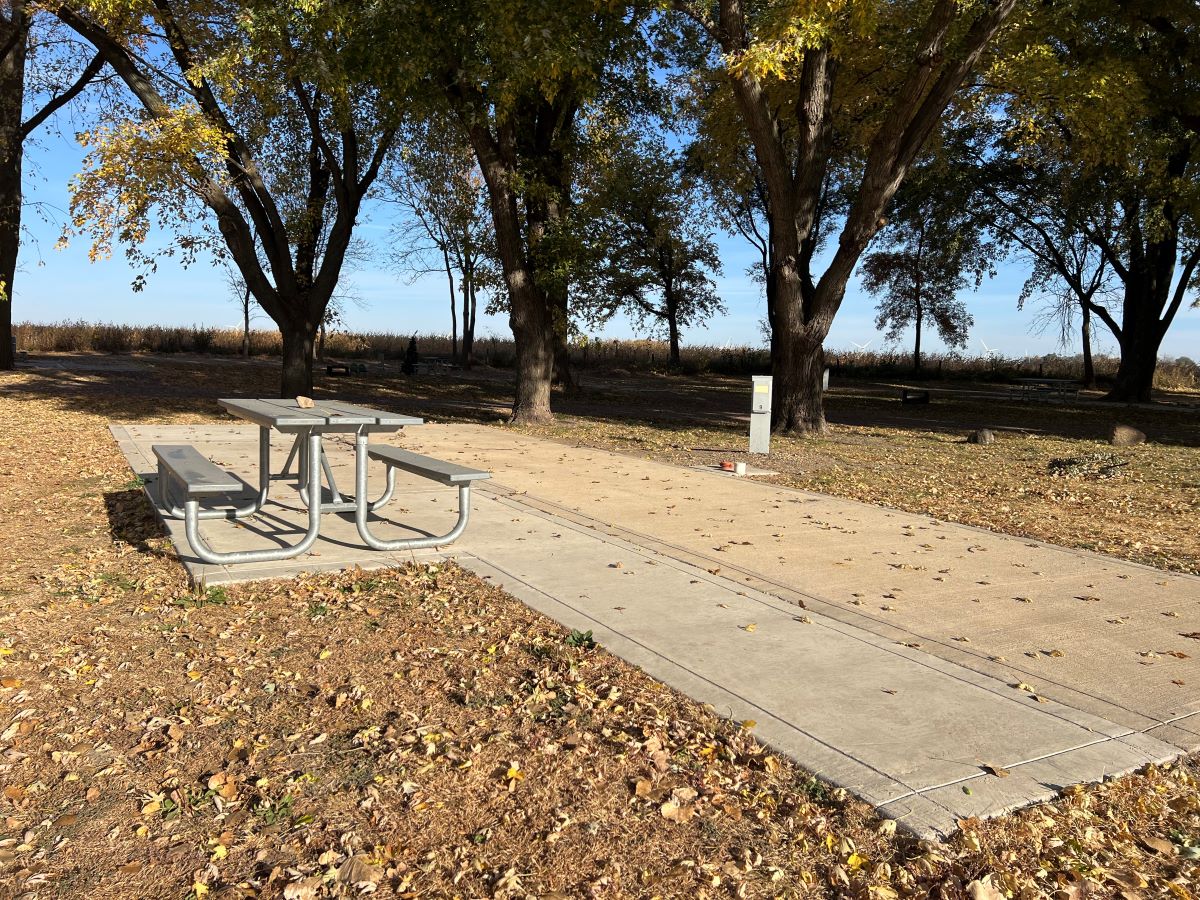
(889, 653)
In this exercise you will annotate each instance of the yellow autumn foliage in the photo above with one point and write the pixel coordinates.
(134, 164)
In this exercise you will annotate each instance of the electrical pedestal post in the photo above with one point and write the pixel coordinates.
(760, 415)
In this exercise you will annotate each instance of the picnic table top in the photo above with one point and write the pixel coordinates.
(275, 413)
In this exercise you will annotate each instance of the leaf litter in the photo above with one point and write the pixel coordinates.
(417, 732)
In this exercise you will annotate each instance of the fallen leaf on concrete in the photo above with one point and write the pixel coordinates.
(998, 771)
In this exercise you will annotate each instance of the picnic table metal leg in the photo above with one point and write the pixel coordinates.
(206, 554)
(336, 500)
(291, 458)
(175, 511)
(363, 508)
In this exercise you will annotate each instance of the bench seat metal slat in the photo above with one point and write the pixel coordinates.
(198, 475)
(436, 469)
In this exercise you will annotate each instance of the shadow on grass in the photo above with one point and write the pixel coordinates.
(166, 389)
(131, 519)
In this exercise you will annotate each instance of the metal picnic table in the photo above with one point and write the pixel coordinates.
(309, 426)
(1064, 388)
(325, 417)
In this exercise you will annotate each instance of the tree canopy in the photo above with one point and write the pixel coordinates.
(651, 242)
(246, 136)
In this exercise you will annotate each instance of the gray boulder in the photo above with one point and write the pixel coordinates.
(1125, 436)
(982, 436)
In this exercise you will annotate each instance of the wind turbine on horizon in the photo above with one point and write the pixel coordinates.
(862, 348)
(988, 351)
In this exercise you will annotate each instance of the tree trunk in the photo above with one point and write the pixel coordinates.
(1135, 374)
(797, 355)
(917, 343)
(468, 315)
(797, 369)
(533, 338)
(453, 306)
(12, 94)
(530, 314)
(1141, 335)
(246, 325)
(673, 329)
(1089, 368)
(297, 361)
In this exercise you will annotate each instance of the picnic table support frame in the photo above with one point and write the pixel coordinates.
(361, 510)
(206, 554)
(338, 503)
(264, 488)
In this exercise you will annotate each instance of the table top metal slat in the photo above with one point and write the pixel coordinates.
(261, 412)
(382, 417)
(331, 416)
(286, 414)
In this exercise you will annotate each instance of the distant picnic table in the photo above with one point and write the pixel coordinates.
(1061, 388)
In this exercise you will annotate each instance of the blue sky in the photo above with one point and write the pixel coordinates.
(55, 285)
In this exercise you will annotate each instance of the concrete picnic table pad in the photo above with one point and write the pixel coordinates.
(923, 651)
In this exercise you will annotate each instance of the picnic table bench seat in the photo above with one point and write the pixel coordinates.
(426, 466)
(183, 465)
(447, 473)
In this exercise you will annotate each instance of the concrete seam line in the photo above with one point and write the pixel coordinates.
(839, 612)
(994, 686)
(1086, 554)
(650, 650)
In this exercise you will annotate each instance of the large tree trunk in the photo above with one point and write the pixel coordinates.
(799, 406)
(1147, 295)
(297, 360)
(533, 337)
(1135, 374)
(530, 314)
(1139, 341)
(12, 93)
(797, 355)
(1089, 367)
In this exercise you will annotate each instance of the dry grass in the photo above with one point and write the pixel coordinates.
(641, 355)
(415, 731)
